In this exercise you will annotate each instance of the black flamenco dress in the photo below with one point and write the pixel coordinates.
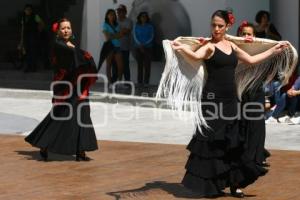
(68, 129)
(217, 158)
(253, 123)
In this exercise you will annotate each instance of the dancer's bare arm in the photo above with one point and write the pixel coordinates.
(203, 52)
(248, 59)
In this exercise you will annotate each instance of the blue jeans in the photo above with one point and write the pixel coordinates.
(272, 89)
(125, 55)
(293, 101)
(292, 105)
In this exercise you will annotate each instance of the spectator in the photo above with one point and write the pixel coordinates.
(143, 34)
(32, 25)
(289, 100)
(246, 30)
(272, 90)
(125, 41)
(111, 31)
(256, 128)
(58, 133)
(264, 28)
(293, 102)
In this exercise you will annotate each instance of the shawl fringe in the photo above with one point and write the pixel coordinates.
(183, 79)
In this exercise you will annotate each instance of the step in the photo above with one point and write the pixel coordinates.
(95, 96)
(5, 65)
(14, 75)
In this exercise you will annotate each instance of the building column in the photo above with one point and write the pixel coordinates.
(90, 31)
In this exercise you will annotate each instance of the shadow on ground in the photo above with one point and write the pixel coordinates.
(175, 189)
(35, 155)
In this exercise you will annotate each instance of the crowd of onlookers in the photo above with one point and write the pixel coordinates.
(127, 36)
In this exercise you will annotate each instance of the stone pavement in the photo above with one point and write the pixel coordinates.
(124, 170)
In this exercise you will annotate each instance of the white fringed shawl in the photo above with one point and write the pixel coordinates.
(183, 79)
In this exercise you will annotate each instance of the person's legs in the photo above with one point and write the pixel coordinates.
(268, 89)
(81, 156)
(30, 47)
(276, 91)
(114, 71)
(280, 105)
(109, 60)
(296, 103)
(296, 85)
(292, 105)
(45, 48)
(125, 55)
(147, 64)
(139, 59)
(119, 62)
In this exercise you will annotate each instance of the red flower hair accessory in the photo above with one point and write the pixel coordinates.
(243, 24)
(55, 27)
(231, 18)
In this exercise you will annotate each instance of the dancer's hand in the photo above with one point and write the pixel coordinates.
(249, 39)
(177, 46)
(69, 44)
(292, 93)
(202, 40)
(280, 47)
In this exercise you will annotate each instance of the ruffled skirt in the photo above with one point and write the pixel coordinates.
(68, 136)
(218, 156)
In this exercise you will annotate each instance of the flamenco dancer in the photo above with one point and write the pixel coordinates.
(216, 160)
(68, 129)
(256, 128)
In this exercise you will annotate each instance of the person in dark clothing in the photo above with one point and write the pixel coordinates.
(112, 33)
(143, 34)
(32, 25)
(264, 28)
(126, 28)
(256, 129)
(68, 128)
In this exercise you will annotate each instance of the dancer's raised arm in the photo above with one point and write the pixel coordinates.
(203, 52)
(248, 59)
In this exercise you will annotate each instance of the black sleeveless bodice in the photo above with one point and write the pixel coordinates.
(221, 79)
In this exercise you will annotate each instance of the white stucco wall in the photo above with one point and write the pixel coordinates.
(201, 10)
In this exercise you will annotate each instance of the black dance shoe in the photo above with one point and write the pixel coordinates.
(44, 154)
(236, 192)
(82, 157)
